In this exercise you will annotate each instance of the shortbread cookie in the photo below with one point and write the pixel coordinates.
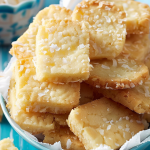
(118, 73)
(106, 26)
(36, 96)
(64, 47)
(1, 113)
(24, 47)
(34, 123)
(137, 99)
(104, 121)
(136, 46)
(66, 137)
(137, 15)
(86, 93)
(7, 144)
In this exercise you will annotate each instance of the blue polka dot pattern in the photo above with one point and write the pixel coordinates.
(15, 20)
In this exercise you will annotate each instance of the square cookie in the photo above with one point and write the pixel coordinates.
(136, 99)
(119, 73)
(34, 123)
(62, 52)
(137, 15)
(24, 47)
(105, 122)
(35, 96)
(106, 27)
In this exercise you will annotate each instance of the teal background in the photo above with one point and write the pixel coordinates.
(5, 129)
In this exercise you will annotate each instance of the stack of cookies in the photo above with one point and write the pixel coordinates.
(80, 76)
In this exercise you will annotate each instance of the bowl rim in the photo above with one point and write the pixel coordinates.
(19, 130)
(18, 5)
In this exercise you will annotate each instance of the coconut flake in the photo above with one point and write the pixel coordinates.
(68, 144)
(138, 121)
(41, 94)
(127, 129)
(114, 62)
(55, 47)
(21, 68)
(27, 70)
(97, 16)
(105, 67)
(81, 45)
(101, 131)
(117, 144)
(120, 127)
(107, 19)
(64, 60)
(126, 66)
(108, 127)
(107, 8)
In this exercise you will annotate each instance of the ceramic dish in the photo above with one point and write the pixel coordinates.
(15, 19)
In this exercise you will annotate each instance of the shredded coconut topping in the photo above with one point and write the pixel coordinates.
(21, 68)
(107, 19)
(101, 131)
(41, 94)
(105, 67)
(27, 70)
(126, 66)
(68, 144)
(108, 127)
(114, 63)
(81, 45)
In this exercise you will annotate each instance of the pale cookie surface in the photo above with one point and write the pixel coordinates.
(137, 99)
(136, 46)
(137, 15)
(66, 137)
(34, 123)
(24, 47)
(118, 73)
(1, 113)
(36, 96)
(62, 52)
(106, 26)
(104, 121)
(7, 144)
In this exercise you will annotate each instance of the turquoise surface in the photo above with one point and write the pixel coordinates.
(6, 130)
